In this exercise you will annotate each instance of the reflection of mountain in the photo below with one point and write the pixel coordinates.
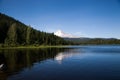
(62, 55)
(17, 60)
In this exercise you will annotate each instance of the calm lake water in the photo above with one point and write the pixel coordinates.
(70, 63)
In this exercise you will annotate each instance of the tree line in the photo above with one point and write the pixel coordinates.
(15, 33)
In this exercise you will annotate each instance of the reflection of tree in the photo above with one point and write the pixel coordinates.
(17, 60)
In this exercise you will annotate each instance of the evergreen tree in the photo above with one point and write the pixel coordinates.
(28, 35)
(12, 35)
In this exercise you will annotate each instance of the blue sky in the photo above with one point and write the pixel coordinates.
(86, 18)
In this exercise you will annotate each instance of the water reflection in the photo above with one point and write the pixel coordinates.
(67, 54)
(13, 61)
(77, 63)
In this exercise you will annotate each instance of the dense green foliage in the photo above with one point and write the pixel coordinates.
(15, 33)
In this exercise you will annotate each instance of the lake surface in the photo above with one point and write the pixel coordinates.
(70, 63)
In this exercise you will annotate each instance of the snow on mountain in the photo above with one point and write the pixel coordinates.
(64, 35)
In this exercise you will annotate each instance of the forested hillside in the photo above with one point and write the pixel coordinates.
(13, 33)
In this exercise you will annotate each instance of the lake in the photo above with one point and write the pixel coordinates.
(69, 63)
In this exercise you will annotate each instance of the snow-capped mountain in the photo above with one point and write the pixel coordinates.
(64, 35)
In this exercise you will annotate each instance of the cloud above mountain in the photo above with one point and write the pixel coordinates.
(62, 34)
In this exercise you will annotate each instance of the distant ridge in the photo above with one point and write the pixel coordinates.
(85, 40)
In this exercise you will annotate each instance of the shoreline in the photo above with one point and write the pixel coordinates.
(52, 46)
(35, 47)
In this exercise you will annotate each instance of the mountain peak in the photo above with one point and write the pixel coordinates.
(62, 34)
(59, 33)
